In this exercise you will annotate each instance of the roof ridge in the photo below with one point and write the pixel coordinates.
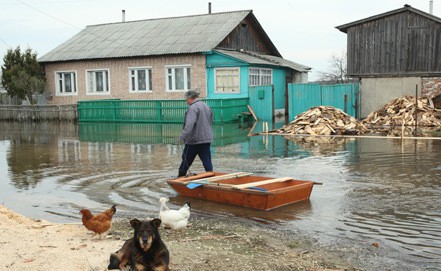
(174, 17)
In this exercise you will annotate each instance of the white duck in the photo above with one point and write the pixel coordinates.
(174, 219)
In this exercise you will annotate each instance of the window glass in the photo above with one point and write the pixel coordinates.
(178, 78)
(227, 80)
(66, 83)
(150, 80)
(170, 81)
(140, 79)
(188, 74)
(60, 85)
(259, 77)
(133, 83)
(97, 81)
(142, 84)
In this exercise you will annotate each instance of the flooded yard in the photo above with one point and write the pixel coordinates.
(375, 190)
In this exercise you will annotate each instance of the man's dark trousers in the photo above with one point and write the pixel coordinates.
(189, 154)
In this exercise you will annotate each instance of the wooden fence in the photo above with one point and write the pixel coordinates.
(38, 112)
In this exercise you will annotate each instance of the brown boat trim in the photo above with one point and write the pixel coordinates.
(229, 187)
(195, 177)
(218, 178)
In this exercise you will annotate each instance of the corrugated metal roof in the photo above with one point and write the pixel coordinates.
(177, 35)
(258, 59)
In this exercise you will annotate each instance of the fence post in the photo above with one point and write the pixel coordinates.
(345, 105)
(416, 110)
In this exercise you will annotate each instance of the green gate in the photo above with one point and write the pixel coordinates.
(262, 101)
(304, 96)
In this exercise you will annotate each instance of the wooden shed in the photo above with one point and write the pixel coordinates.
(394, 54)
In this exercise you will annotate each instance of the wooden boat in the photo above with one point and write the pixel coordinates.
(244, 189)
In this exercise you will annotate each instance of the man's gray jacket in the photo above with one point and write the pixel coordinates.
(197, 124)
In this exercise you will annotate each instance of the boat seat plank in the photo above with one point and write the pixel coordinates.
(220, 177)
(247, 185)
(197, 176)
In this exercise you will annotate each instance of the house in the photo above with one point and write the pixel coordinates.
(219, 54)
(395, 53)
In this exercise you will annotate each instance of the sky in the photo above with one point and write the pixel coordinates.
(303, 31)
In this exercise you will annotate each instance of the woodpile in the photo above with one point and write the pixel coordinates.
(324, 120)
(437, 101)
(395, 118)
(403, 112)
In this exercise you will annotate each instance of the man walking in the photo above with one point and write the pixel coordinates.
(197, 133)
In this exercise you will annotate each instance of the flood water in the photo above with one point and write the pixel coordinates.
(384, 191)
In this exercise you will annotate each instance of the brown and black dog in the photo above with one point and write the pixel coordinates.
(145, 251)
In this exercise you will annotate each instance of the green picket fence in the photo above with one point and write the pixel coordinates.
(156, 111)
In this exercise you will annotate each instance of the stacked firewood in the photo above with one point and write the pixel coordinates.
(404, 111)
(437, 101)
(324, 120)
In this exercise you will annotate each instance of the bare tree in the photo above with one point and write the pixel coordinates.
(337, 72)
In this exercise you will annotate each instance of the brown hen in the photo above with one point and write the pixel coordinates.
(99, 223)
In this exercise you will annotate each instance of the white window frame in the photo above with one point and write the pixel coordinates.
(229, 87)
(91, 90)
(133, 86)
(171, 76)
(257, 74)
(60, 83)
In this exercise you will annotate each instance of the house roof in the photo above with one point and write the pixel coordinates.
(176, 35)
(259, 59)
(344, 28)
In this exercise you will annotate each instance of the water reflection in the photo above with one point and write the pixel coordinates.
(284, 213)
(374, 190)
(321, 145)
(396, 195)
(152, 133)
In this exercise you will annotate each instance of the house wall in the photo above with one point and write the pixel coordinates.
(376, 92)
(405, 43)
(246, 36)
(217, 60)
(119, 78)
(299, 77)
(211, 94)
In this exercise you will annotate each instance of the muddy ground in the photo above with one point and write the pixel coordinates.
(211, 243)
(222, 243)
